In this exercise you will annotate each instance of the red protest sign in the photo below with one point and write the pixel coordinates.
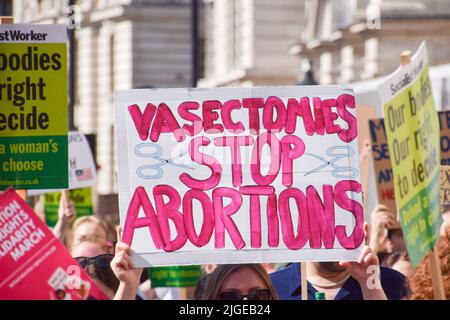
(33, 263)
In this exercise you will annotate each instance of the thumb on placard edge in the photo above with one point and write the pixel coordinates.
(118, 233)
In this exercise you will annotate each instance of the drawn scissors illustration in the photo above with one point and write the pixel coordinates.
(156, 152)
(336, 154)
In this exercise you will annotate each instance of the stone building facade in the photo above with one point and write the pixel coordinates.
(354, 40)
(120, 44)
(247, 42)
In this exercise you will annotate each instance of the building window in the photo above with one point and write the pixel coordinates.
(6, 8)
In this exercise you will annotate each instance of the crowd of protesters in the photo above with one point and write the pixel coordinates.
(383, 270)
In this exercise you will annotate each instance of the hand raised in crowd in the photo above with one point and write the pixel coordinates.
(122, 266)
(366, 270)
(66, 212)
(66, 215)
(365, 151)
(381, 219)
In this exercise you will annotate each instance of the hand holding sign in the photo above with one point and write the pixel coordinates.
(122, 267)
(66, 215)
(366, 270)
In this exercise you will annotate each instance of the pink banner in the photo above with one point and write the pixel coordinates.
(33, 263)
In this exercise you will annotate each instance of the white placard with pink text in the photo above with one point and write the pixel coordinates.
(239, 175)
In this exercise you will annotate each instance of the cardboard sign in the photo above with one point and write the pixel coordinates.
(382, 161)
(382, 164)
(444, 184)
(33, 106)
(412, 129)
(82, 170)
(238, 175)
(81, 198)
(444, 125)
(363, 114)
(33, 263)
(177, 276)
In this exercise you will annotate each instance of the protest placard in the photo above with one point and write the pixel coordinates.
(33, 106)
(82, 169)
(363, 114)
(412, 129)
(444, 126)
(444, 185)
(33, 263)
(382, 164)
(382, 161)
(81, 198)
(176, 276)
(236, 175)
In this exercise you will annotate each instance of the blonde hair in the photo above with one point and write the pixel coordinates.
(105, 226)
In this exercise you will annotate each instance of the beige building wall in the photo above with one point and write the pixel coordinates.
(247, 42)
(121, 44)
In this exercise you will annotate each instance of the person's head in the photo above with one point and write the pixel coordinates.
(60, 294)
(331, 267)
(395, 241)
(200, 287)
(92, 229)
(445, 218)
(239, 281)
(95, 260)
(420, 281)
(399, 261)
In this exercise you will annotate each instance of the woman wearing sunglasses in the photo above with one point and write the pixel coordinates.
(226, 282)
(95, 260)
(239, 282)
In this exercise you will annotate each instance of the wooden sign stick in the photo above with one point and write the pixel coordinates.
(304, 283)
(435, 268)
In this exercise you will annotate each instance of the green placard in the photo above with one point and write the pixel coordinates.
(178, 276)
(33, 108)
(82, 199)
(412, 129)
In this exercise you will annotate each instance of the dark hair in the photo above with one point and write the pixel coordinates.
(200, 287)
(445, 208)
(394, 257)
(104, 275)
(391, 232)
(60, 294)
(220, 274)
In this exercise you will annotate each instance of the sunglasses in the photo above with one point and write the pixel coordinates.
(257, 294)
(101, 261)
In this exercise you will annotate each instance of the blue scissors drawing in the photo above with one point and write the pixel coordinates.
(338, 171)
(156, 155)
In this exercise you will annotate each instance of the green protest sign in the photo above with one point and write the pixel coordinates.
(178, 276)
(33, 107)
(81, 198)
(412, 128)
